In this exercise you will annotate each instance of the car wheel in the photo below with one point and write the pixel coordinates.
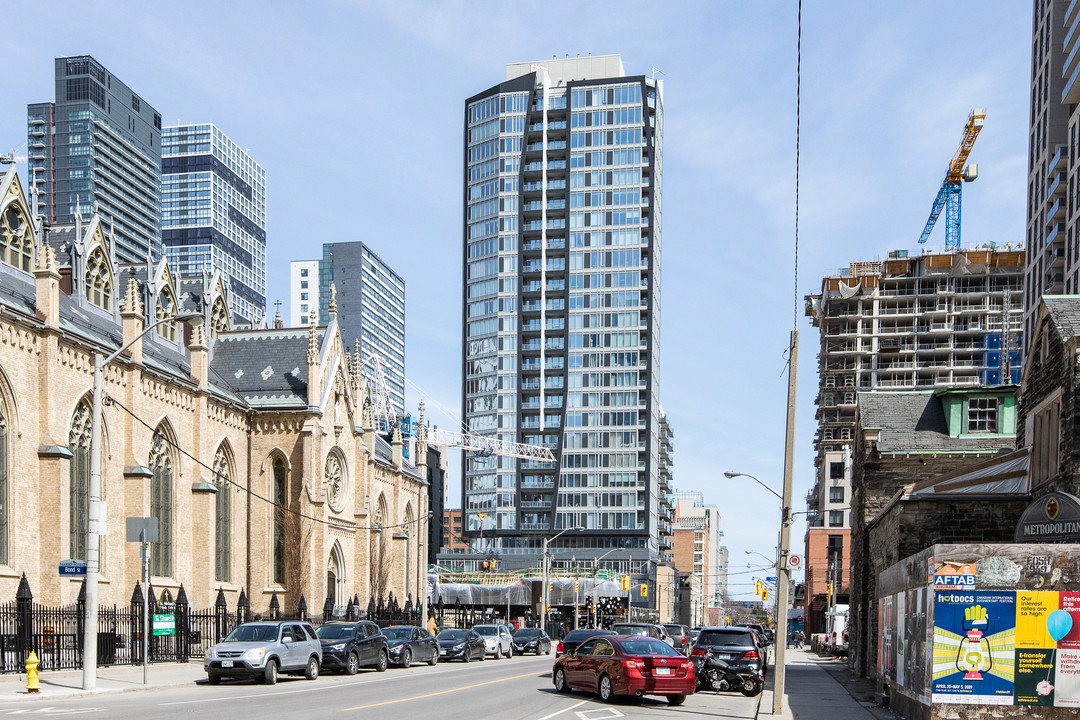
(434, 657)
(676, 699)
(406, 658)
(560, 681)
(352, 664)
(483, 655)
(509, 652)
(270, 673)
(607, 692)
(311, 672)
(213, 678)
(549, 650)
(498, 653)
(380, 666)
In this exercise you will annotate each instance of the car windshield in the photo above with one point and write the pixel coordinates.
(715, 637)
(648, 647)
(397, 634)
(335, 632)
(674, 629)
(487, 630)
(253, 633)
(526, 633)
(636, 630)
(452, 635)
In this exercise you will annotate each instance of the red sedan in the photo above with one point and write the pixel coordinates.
(624, 665)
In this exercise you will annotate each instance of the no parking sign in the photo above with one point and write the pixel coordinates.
(794, 562)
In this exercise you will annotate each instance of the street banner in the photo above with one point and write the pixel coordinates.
(974, 647)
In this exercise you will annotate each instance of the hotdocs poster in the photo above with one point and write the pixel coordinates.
(1048, 648)
(974, 647)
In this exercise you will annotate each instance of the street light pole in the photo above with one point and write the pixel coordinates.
(94, 510)
(545, 560)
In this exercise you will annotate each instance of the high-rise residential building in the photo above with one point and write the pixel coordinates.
(370, 301)
(97, 148)
(1052, 264)
(927, 322)
(303, 291)
(698, 545)
(213, 212)
(562, 207)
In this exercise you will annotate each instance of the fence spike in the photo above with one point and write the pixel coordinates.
(181, 596)
(301, 607)
(82, 593)
(137, 594)
(221, 602)
(23, 592)
(151, 596)
(242, 601)
(274, 603)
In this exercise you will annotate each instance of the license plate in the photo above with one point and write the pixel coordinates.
(663, 671)
(442, 652)
(226, 663)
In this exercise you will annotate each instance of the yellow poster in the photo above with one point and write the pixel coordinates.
(1032, 609)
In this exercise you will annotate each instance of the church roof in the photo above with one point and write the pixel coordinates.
(267, 368)
(1064, 312)
(914, 422)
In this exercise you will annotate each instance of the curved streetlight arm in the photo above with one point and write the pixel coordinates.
(733, 474)
(184, 317)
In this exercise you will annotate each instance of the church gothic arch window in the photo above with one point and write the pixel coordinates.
(99, 281)
(166, 307)
(335, 480)
(79, 485)
(4, 504)
(161, 502)
(277, 530)
(16, 239)
(222, 516)
(219, 318)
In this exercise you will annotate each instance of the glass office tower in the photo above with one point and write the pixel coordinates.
(214, 212)
(98, 148)
(562, 210)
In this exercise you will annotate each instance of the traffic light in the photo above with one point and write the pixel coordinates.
(625, 582)
(828, 591)
(764, 594)
(551, 585)
(644, 590)
(575, 588)
(758, 587)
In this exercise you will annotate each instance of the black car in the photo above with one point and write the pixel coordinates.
(739, 647)
(463, 645)
(532, 640)
(349, 646)
(409, 644)
(575, 637)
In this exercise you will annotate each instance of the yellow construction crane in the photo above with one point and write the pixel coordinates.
(949, 194)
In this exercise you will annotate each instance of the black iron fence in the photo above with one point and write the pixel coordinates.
(56, 634)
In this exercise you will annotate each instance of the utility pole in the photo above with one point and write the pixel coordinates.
(784, 577)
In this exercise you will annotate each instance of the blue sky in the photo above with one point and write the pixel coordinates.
(355, 110)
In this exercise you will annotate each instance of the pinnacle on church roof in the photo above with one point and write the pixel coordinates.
(313, 345)
(132, 301)
(278, 323)
(332, 307)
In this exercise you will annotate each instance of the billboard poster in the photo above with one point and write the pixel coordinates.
(1035, 680)
(974, 647)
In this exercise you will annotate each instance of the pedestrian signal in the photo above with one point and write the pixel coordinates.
(625, 582)
(757, 587)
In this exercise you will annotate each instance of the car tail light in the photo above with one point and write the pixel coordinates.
(697, 652)
(634, 663)
(689, 664)
(559, 648)
(750, 655)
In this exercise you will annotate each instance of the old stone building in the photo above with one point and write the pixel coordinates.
(253, 447)
(905, 438)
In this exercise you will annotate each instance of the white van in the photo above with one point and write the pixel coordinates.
(836, 630)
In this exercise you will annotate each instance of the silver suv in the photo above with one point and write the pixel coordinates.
(497, 641)
(263, 650)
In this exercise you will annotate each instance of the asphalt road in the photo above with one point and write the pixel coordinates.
(515, 689)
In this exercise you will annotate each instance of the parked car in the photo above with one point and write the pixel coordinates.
(532, 640)
(263, 650)
(409, 644)
(680, 637)
(762, 642)
(739, 647)
(497, 640)
(644, 630)
(575, 637)
(613, 665)
(349, 646)
(464, 645)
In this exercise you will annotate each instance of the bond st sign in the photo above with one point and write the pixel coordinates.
(1051, 518)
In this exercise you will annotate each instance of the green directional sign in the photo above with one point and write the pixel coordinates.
(164, 624)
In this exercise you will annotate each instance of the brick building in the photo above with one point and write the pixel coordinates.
(906, 438)
(253, 448)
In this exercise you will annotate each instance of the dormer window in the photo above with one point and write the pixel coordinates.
(166, 307)
(982, 415)
(99, 284)
(16, 240)
(219, 318)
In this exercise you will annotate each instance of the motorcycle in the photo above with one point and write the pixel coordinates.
(720, 675)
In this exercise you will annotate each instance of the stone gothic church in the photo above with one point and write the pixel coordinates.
(254, 448)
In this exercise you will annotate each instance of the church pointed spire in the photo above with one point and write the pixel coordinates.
(313, 344)
(132, 302)
(332, 307)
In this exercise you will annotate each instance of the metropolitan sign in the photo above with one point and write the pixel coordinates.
(1052, 518)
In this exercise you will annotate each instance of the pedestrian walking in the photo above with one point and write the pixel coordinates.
(799, 637)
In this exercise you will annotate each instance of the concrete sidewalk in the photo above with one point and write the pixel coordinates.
(67, 683)
(820, 687)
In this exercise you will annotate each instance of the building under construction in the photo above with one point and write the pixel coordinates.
(939, 319)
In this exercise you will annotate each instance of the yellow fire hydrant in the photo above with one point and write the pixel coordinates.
(33, 687)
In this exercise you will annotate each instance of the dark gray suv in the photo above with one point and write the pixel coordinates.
(263, 649)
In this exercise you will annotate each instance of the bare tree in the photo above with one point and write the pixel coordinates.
(297, 536)
(380, 564)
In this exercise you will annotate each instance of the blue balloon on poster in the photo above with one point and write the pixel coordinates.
(1058, 624)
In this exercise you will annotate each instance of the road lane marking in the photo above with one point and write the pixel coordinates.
(560, 712)
(441, 692)
(587, 714)
(345, 683)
